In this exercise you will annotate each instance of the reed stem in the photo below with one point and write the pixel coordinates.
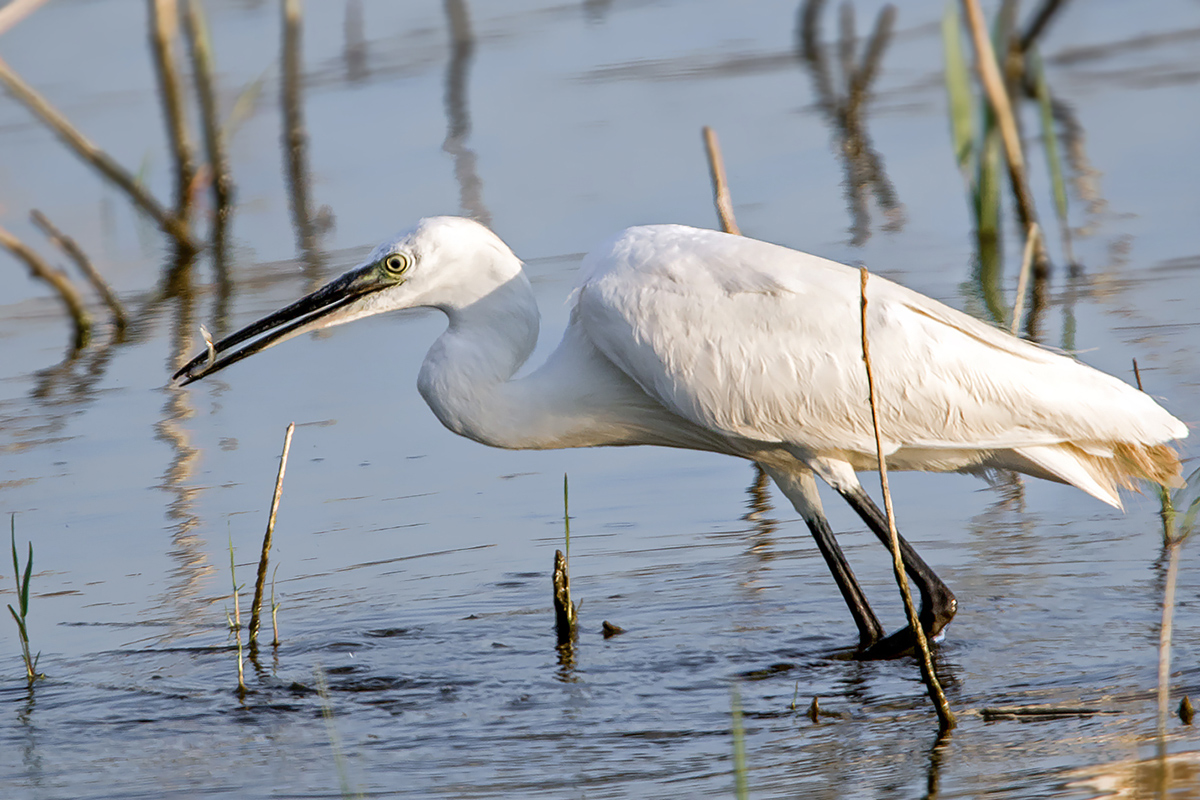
(260, 582)
(946, 720)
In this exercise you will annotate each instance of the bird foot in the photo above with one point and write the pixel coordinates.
(901, 643)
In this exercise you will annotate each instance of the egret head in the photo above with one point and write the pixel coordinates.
(445, 262)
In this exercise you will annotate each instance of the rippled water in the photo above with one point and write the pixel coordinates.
(413, 567)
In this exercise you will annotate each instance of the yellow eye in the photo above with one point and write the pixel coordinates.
(396, 264)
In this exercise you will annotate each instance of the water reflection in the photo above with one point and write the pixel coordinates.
(458, 118)
(192, 567)
(355, 53)
(846, 110)
(295, 147)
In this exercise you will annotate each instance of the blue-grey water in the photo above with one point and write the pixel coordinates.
(413, 566)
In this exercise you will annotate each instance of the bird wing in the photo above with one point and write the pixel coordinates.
(761, 342)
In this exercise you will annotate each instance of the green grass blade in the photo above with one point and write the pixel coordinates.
(958, 88)
(25, 585)
(566, 520)
(1053, 156)
(740, 786)
(16, 562)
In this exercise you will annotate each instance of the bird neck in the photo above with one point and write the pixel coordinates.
(466, 373)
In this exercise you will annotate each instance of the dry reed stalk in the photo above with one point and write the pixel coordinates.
(260, 582)
(164, 37)
(16, 11)
(76, 254)
(993, 87)
(93, 155)
(1031, 238)
(58, 279)
(946, 720)
(724, 203)
(716, 166)
(195, 28)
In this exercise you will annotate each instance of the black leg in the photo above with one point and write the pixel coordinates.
(938, 603)
(800, 486)
(869, 629)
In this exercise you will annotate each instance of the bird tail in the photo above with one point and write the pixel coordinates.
(1101, 468)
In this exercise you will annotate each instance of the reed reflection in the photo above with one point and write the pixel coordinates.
(458, 117)
(844, 107)
(355, 51)
(295, 145)
(183, 600)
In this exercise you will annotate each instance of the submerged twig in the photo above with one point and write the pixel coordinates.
(1039, 712)
(76, 254)
(261, 580)
(946, 719)
(721, 196)
(58, 279)
(92, 154)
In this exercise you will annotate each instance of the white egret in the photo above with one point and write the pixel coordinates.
(697, 339)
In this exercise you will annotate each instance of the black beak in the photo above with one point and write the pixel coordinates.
(311, 312)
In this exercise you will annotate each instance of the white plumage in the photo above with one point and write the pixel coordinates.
(692, 338)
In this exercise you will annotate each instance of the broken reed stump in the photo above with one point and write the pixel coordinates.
(564, 609)
(266, 546)
(608, 630)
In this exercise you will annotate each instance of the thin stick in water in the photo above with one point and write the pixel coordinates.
(58, 279)
(266, 546)
(236, 622)
(274, 611)
(76, 254)
(946, 719)
(716, 166)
